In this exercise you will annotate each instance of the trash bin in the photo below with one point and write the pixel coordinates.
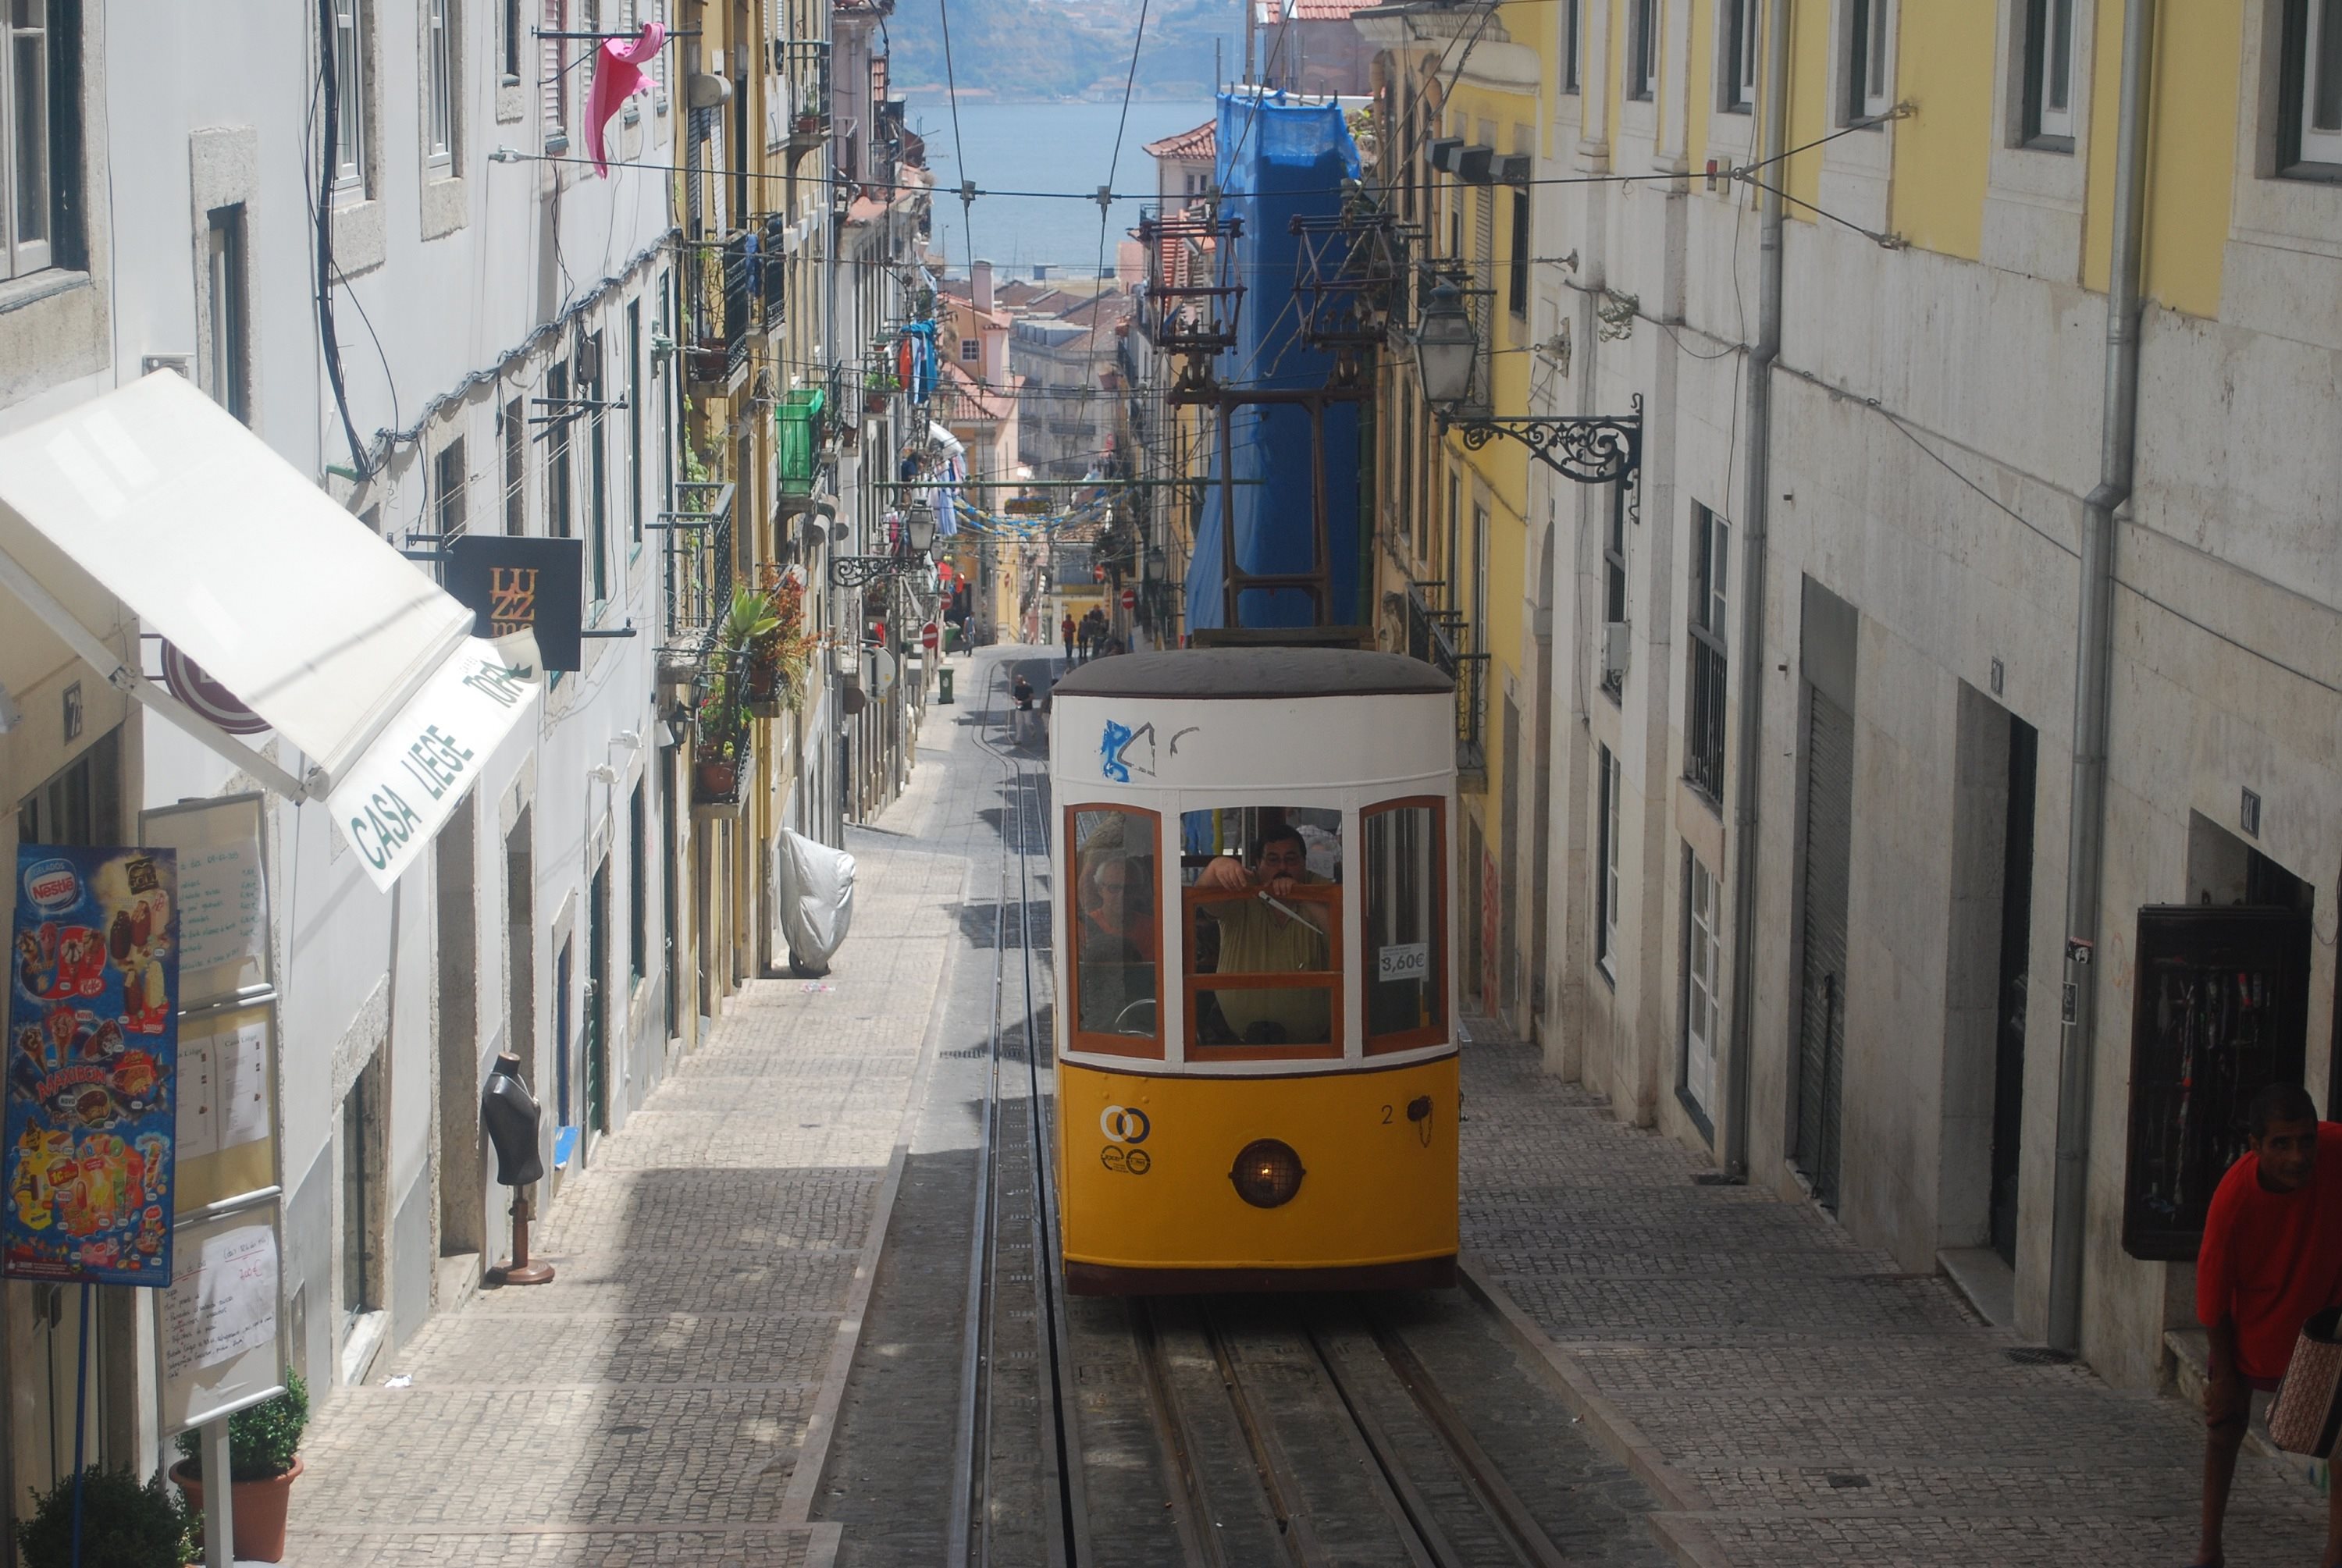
(943, 685)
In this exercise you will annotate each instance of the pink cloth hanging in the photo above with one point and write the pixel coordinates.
(617, 77)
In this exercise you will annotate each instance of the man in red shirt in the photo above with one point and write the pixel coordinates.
(2272, 1255)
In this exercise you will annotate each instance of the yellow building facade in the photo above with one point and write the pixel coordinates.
(1802, 865)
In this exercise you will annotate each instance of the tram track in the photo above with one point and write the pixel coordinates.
(1016, 1477)
(1339, 1428)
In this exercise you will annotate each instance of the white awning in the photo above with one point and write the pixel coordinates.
(154, 495)
(162, 498)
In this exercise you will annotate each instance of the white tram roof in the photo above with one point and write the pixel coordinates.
(1253, 675)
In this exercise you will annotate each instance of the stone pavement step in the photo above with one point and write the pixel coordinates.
(666, 1398)
(1793, 1398)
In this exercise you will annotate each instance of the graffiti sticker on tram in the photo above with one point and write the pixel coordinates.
(1115, 745)
(1125, 1124)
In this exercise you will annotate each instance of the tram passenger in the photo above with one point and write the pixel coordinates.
(1117, 940)
(1257, 936)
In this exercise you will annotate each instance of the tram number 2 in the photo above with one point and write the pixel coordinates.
(1128, 1162)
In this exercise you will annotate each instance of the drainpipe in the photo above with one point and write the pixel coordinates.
(1752, 595)
(2093, 651)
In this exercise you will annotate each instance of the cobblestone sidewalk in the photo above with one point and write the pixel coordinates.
(654, 1403)
(1793, 1399)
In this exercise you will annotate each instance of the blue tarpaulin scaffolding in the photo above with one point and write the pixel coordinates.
(1277, 161)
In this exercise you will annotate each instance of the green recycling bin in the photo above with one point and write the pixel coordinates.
(943, 685)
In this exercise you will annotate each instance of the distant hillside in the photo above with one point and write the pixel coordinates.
(1043, 49)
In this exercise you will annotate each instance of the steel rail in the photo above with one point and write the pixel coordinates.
(970, 1532)
(1420, 1531)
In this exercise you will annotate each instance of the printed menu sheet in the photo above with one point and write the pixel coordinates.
(223, 1302)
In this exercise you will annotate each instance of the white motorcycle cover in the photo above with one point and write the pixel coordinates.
(816, 888)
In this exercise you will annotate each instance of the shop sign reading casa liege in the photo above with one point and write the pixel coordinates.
(395, 798)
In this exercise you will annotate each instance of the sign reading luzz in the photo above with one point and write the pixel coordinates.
(91, 1083)
(398, 796)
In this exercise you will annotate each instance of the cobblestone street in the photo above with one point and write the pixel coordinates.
(1793, 1400)
(655, 1403)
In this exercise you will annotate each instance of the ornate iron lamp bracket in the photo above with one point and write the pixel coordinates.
(1591, 449)
(853, 571)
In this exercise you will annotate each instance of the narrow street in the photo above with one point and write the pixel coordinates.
(753, 1349)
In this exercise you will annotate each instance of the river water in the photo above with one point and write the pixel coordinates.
(1042, 147)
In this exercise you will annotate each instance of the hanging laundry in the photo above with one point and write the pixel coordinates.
(617, 77)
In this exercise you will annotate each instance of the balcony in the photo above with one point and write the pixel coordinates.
(799, 69)
(697, 563)
(797, 449)
(723, 293)
(773, 267)
(1437, 637)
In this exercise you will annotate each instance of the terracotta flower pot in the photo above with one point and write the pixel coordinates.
(260, 1507)
(719, 779)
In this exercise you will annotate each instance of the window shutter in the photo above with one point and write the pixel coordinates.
(552, 53)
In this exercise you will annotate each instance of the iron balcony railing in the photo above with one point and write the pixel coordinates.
(698, 563)
(1439, 638)
(721, 303)
(800, 67)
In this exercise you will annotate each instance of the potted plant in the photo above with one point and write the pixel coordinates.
(722, 745)
(124, 1524)
(263, 1460)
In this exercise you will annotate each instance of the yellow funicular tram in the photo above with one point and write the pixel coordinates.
(1255, 1024)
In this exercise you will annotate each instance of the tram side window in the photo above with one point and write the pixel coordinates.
(1263, 904)
(1118, 950)
(1407, 929)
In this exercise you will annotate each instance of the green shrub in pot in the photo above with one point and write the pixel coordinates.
(124, 1524)
(261, 1439)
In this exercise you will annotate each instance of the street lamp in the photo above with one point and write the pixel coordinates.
(919, 527)
(1444, 347)
(1590, 449)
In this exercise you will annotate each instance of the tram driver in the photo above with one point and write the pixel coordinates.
(1270, 934)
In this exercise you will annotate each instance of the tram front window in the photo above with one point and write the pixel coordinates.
(1263, 938)
(1117, 947)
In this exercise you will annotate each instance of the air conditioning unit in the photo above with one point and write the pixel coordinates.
(1614, 650)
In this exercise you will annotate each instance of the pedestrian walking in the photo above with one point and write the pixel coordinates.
(2272, 1256)
(1022, 692)
(1065, 630)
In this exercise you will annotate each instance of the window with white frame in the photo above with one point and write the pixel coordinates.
(2049, 74)
(971, 348)
(1869, 58)
(1736, 57)
(441, 67)
(1711, 555)
(223, 276)
(30, 177)
(350, 98)
(1643, 49)
(1703, 969)
(1606, 873)
(2309, 89)
(1573, 37)
(508, 24)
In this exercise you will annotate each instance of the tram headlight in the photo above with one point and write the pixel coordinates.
(1267, 1174)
